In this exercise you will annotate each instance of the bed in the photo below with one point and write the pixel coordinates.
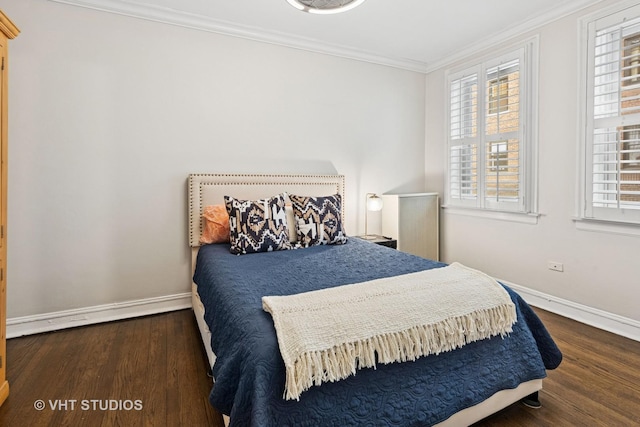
(452, 388)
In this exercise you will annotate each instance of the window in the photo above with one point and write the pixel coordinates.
(490, 164)
(631, 64)
(499, 95)
(498, 156)
(611, 174)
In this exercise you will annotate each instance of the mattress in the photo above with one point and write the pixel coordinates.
(249, 372)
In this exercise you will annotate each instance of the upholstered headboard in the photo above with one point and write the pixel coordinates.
(210, 189)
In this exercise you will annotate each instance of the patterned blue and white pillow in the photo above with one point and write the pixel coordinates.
(319, 220)
(257, 225)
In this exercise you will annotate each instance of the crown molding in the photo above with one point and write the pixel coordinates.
(208, 24)
(516, 31)
(7, 27)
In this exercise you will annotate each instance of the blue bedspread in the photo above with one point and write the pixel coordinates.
(249, 372)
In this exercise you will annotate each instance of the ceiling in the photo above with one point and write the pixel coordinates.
(411, 34)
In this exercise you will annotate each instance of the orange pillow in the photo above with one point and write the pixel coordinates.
(216, 225)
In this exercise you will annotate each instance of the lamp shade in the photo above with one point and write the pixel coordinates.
(374, 203)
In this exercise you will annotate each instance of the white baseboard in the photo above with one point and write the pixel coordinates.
(600, 319)
(28, 325)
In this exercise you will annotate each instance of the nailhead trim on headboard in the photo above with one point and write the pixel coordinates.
(198, 181)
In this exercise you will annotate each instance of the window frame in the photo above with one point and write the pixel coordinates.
(527, 204)
(589, 217)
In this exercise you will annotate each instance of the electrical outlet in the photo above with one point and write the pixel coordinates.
(555, 266)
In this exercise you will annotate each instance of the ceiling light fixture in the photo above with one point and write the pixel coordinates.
(325, 6)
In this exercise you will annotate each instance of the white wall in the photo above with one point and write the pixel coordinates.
(109, 114)
(601, 270)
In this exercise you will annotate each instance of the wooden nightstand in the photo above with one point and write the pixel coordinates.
(380, 240)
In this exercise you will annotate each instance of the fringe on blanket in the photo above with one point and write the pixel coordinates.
(339, 362)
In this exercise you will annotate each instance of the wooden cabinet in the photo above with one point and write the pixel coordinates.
(7, 31)
(412, 220)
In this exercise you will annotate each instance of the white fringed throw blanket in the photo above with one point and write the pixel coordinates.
(327, 335)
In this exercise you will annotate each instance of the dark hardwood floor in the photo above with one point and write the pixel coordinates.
(157, 360)
(151, 371)
(597, 384)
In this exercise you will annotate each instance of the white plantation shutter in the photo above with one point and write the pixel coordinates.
(486, 135)
(612, 181)
(464, 139)
(502, 135)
